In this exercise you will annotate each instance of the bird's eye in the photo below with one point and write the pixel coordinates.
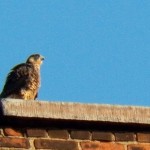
(36, 57)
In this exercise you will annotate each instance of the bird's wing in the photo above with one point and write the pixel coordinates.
(16, 79)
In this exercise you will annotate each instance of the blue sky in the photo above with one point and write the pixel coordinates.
(96, 51)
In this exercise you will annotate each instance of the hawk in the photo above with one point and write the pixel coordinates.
(23, 81)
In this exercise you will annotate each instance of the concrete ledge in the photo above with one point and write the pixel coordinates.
(75, 111)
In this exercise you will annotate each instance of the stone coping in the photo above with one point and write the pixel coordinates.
(75, 111)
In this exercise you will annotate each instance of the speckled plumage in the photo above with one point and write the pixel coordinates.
(23, 81)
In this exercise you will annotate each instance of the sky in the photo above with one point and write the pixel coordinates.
(96, 51)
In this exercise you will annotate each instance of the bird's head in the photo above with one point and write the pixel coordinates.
(35, 59)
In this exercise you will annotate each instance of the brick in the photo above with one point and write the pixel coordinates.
(138, 147)
(14, 142)
(11, 148)
(125, 136)
(60, 134)
(143, 137)
(55, 144)
(36, 133)
(12, 132)
(101, 146)
(83, 135)
(103, 136)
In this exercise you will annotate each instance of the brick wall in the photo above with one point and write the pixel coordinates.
(39, 130)
(71, 139)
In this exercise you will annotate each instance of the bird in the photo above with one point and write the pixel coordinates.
(23, 81)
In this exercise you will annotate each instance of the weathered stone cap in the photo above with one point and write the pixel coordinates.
(75, 111)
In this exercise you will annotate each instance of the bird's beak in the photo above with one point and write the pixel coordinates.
(42, 58)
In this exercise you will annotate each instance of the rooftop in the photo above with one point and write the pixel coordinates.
(75, 111)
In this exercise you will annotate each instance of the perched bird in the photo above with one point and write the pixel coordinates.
(23, 81)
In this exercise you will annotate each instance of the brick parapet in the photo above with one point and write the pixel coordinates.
(23, 128)
(71, 139)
